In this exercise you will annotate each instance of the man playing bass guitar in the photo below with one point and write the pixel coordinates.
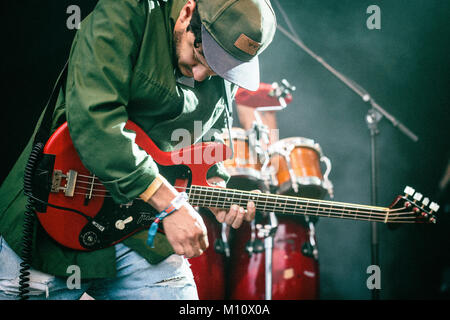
(164, 65)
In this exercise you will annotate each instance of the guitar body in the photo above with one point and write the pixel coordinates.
(99, 222)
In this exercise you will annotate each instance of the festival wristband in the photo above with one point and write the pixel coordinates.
(176, 204)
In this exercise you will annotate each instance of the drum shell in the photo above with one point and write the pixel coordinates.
(294, 275)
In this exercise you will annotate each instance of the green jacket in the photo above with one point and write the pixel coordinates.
(121, 66)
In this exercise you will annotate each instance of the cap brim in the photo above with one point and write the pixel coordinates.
(244, 74)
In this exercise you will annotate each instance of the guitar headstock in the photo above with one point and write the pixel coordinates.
(412, 207)
(281, 90)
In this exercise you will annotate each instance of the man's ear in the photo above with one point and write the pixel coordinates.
(186, 13)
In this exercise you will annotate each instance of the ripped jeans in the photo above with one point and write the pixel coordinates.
(136, 279)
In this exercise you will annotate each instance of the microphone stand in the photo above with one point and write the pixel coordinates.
(373, 117)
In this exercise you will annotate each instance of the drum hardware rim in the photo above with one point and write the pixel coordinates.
(245, 139)
(243, 162)
(327, 184)
(280, 144)
(236, 133)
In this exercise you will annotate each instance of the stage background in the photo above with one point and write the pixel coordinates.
(404, 66)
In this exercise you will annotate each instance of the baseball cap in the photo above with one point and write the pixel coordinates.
(234, 33)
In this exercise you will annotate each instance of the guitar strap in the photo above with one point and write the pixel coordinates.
(43, 131)
(229, 112)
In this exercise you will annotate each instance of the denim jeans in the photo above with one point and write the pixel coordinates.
(136, 279)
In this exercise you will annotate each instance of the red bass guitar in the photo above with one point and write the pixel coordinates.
(77, 211)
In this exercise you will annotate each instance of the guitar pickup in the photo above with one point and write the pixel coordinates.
(71, 180)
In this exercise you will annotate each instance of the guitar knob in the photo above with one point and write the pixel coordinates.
(120, 224)
(418, 196)
(434, 206)
(409, 191)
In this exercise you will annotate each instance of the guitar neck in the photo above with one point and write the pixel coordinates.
(223, 198)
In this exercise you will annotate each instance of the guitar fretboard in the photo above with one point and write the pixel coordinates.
(224, 198)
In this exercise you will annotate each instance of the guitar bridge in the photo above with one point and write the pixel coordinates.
(71, 179)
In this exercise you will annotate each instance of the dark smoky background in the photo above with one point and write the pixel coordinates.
(404, 66)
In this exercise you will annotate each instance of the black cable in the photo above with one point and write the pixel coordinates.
(61, 208)
(28, 226)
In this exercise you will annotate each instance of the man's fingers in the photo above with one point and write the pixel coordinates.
(232, 214)
(186, 232)
(177, 247)
(239, 218)
(251, 210)
(197, 243)
(220, 214)
(204, 243)
(194, 246)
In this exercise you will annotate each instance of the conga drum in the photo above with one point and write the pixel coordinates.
(245, 166)
(297, 171)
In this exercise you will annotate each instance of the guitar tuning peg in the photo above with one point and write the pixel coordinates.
(409, 191)
(434, 206)
(425, 201)
(287, 85)
(418, 196)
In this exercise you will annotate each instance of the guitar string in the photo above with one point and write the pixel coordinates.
(220, 200)
(408, 219)
(217, 199)
(373, 210)
(382, 211)
(333, 214)
(287, 206)
(254, 194)
(205, 188)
